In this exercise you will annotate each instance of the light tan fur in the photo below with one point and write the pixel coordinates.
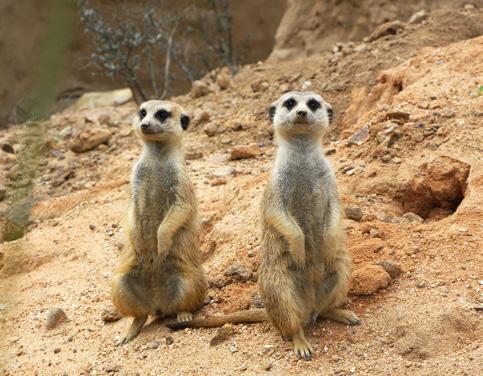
(160, 273)
(306, 267)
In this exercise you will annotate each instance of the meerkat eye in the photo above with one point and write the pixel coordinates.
(142, 113)
(313, 104)
(290, 103)
(162, 115)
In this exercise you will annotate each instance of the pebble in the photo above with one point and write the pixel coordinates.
(418, 17)
(244, 152)
(3, 192)
(57, 350)
(353, 212)
(391, 267)
(223, 81)
(412, 218)
(212, 129)
(199, 89)
(221, 334)
(153, 345)
(89, 139)
(110, 315)
(54, 317)
(267, 366)
(169, 340)
(92, 227)
(239, 272)
(369, 279)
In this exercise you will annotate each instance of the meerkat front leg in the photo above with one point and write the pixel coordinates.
(177, 216)
(292, 233)
(301, 346)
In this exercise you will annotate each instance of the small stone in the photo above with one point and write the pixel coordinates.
(359, 137)
(92, 227)
(66, 133)
(169, 340)
(105, 119)
(243, 367)
(233, 348)
(89, 139)
(369, 279)
(54, 317)
(391, 267)
(153, 345)
(412, 218)
(221, 334)
(420, 284)
(8, 149)
(212, 129)
(375, 233)
(388, 28)
(218, 181)
(418, 17)
(244, 152)
(112, 368)
(267, 366)
(306, 85)
(239, 272)
(353, 212)
(386, 158)
(398, 115)
(110, 315)
(57, 350)
(330, 151)
(199, 89)
(125, 132)
(200, 117)
(223, 80)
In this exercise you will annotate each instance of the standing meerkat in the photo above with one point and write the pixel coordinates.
(306, 267)
(160, 273)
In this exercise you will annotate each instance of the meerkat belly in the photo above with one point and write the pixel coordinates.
(154, 196)
(304, 196)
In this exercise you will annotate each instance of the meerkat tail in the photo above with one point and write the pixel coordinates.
(240, 317)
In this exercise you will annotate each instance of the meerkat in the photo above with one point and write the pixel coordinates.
(160, 273)
(305, 267)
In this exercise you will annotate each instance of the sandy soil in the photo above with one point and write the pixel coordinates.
(407, 138)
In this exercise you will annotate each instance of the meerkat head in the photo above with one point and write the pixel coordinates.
(161, 121)
(300, 113)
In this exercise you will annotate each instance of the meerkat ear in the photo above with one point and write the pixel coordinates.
(185, 121)
(330, 112)
(271, 112)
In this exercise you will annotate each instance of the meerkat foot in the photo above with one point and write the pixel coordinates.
(184, 316)
(134, 329)
(343, 316)
(301, 346)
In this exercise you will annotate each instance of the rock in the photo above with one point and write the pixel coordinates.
(110, 315)
(412, 218)
(259, 86)
(200, 117)
(359, 137)
(418, 17)
(125, 132)
(54, 317)
(3, 192)
(112, 368)
(105, 119)
(169, 340)
(353, 212)
(223, 172)
(330, 151)
(223, 80)
(239, 272)
(212, 129)
(89, 139)
(221, 334)
(398, 115)
(199, 89)
(391, 267)
(256, 301)
(153, 345)
(244, 152)
(57, 350)
(193, 154)
(388, 28)
(218, 181)
(267, 366)
(103, 99)
(66, 133)
(92, 227)
(369, 279)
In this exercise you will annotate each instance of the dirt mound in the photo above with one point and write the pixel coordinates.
(398, 107)
(310, 27)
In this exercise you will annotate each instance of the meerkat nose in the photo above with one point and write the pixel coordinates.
(145, 126)
(302, 114)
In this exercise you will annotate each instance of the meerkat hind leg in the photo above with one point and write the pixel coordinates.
(301, 346)
(134, 329)
(184, 316)
(343, 316)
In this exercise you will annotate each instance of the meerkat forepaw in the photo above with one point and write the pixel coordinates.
(343, 316)
(184, 316)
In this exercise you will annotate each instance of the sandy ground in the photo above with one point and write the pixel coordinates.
(416, 93)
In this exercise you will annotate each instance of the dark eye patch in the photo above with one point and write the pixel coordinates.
(142, 113)
(290, 103)
(313, 104)
(330, 113)
(162, 115)
(185, 121)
